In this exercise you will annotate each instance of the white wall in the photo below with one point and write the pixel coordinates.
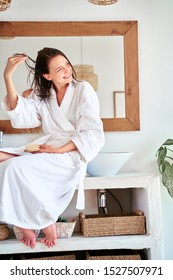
(155, 71)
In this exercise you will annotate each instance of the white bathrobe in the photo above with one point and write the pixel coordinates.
(35, 189)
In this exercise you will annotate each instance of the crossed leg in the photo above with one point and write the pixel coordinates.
(50, 236)
(4, 156)
(29, 237)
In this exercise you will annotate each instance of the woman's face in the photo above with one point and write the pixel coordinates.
(60, 71)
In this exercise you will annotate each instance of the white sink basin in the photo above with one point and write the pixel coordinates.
(107, 164)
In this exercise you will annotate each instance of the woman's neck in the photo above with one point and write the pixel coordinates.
(60, 92)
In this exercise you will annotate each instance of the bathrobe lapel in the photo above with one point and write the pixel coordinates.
(59, 113)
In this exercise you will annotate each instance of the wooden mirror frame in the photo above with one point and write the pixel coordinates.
(127, 29)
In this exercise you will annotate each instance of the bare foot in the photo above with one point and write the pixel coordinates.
(29, 237)
(50, 236)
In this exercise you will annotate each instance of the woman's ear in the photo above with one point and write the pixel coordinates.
(47, 77)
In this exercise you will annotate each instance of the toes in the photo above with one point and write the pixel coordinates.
(53, 243)
(43, 240)
(48, 243)
(28, 242)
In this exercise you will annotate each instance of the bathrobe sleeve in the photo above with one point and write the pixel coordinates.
(25, 115)
(89, 135)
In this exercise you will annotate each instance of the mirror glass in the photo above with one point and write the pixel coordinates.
(111, 47)
(105, 54)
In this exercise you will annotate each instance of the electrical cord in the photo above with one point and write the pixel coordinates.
(116, 199)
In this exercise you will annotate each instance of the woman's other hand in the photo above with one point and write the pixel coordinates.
(49, 149)
(27, 92)
(70, 146)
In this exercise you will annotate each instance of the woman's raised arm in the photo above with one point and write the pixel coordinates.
(10, 68)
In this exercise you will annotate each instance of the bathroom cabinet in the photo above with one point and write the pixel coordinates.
(145, 196)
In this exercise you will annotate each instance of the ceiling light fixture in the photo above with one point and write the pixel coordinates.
(102, 2)
(4, 4)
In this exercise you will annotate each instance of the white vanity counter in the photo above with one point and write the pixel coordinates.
(145, 196)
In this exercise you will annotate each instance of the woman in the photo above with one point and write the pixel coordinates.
(36, 187)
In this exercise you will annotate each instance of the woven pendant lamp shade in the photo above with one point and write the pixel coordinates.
(4, 4)
(102, 2)
(86, 72)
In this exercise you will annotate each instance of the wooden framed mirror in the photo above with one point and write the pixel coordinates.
(127, 29)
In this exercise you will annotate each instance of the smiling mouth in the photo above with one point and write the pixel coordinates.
(66, 77)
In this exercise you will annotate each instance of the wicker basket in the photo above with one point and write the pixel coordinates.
(106, 225)
(113, 255)
(60, 257)
(65, 229)
(4, 231)
(47, 256)
(63, 257)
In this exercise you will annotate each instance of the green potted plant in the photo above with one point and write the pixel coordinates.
(165, 164)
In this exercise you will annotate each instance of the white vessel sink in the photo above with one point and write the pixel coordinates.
(107, 164)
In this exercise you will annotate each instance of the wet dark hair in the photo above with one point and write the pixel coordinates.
(41, 66)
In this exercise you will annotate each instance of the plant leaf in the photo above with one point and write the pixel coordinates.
(168, 142)
(167, 177)
(161, 154)
(165, 164)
